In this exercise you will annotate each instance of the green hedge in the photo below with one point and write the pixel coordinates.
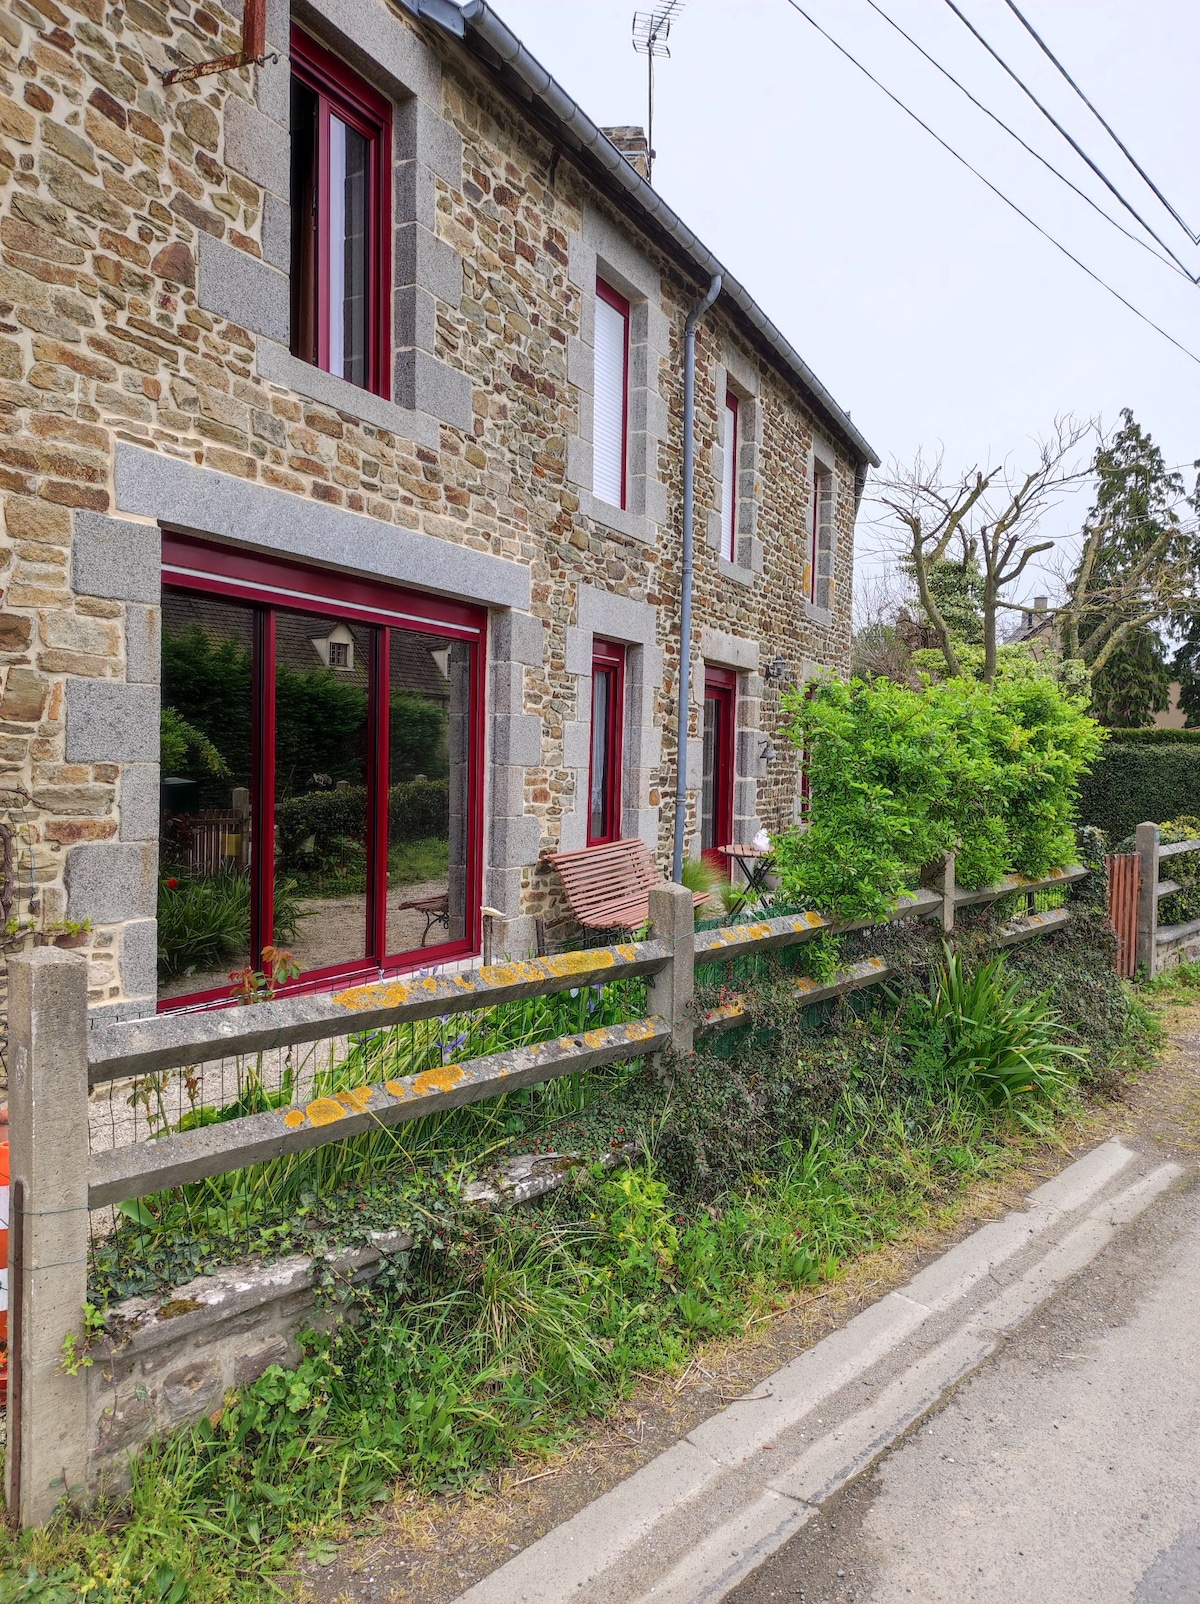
(1155, 737)
(417, 809)
(1137, 781)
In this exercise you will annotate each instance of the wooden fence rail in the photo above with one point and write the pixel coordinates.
(56, 1061)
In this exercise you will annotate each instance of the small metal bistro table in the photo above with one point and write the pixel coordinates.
(755, 865)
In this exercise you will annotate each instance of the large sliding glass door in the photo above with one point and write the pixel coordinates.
(322, 749)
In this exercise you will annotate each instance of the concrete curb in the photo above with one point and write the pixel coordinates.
(692, 1524)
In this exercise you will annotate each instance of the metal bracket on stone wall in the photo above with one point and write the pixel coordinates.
(252, 54)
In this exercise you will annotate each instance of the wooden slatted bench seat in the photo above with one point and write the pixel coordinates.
(608, 887)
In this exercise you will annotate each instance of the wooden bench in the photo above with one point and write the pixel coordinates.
(608, 887)
(436, 911)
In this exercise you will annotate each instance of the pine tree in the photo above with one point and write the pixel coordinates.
(1136, 571)
(1134, 684)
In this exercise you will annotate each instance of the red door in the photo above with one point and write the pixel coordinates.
(604, 779)
(716, 785)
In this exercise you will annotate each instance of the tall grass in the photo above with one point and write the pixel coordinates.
(500, 1339)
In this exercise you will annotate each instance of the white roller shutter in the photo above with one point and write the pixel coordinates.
(729, 483)
(608, 471)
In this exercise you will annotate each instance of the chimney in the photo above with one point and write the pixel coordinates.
(631, 142)
(1040, 603)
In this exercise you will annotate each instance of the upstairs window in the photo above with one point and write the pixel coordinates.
(729, 450)
(341, 219)
(820, 550)
(608, 708)
(611, 396)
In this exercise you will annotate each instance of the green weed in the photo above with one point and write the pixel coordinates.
(977, 1034)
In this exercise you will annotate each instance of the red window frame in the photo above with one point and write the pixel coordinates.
(269, 583)
(367, 111)
(731, 512)
(608, 660)
(720, 685)
(613, 298)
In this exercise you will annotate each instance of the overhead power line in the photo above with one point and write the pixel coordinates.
(999, 193)
(1069, 137)
(1107, 127)
(1036, 154)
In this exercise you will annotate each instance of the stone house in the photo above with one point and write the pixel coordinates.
(341, 401)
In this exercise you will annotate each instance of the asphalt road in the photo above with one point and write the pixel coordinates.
(1065, 1471)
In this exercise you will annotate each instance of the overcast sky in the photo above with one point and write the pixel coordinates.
(927, 307)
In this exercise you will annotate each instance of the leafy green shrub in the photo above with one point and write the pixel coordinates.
(208, 684)
(181, 745)
(204, 920)
(1154, 735)
(418, 729)
(1138, 782)
(976, 1034)
(309, 829)
(902, 776)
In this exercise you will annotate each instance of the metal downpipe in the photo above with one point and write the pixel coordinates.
(685, 606)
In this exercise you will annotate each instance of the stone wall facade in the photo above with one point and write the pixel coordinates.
(146, 381)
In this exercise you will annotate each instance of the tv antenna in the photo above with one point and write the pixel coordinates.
(651, 30)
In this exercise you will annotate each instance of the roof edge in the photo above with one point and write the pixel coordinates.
(476, 18)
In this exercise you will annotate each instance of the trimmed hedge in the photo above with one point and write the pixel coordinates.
(1133, 782)
(1156, 737)
(417, 809)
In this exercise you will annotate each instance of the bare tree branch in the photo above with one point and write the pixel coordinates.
(994, 513)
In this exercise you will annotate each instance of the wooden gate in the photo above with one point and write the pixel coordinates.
(1124, 889)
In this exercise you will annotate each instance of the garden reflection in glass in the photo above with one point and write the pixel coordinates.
(321, 752)
(364, 870)
(207, 841)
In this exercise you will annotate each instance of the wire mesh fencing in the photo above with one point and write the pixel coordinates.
(366, 1181)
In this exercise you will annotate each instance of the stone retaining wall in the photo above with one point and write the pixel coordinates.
(168, 1361)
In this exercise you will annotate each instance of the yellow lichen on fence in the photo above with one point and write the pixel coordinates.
(728, 1010)
(639, 1030)
(442, 1078)
(325, 1111)
(386, 994)
(492, 977)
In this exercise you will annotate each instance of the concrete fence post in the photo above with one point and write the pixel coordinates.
(1147, 913)
(48, 1158)
(670, 992)
(939, 877)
